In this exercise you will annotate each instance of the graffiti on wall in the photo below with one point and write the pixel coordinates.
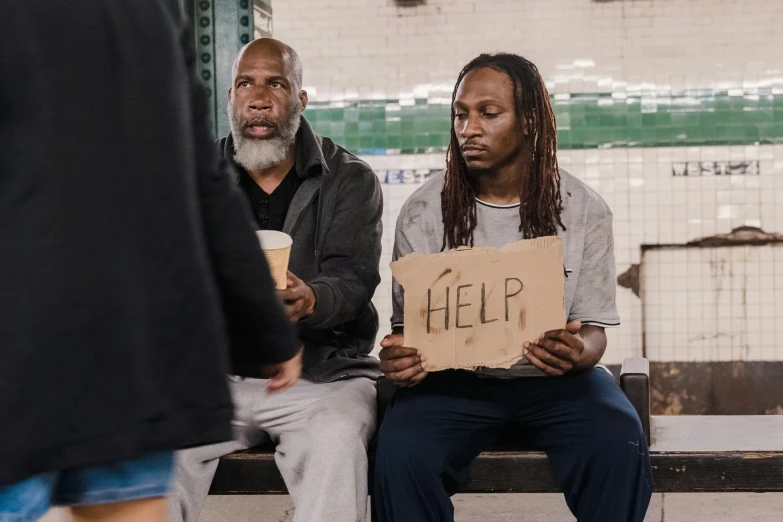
(407, 176)
(715, 168)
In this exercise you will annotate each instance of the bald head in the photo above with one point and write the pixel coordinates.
(265, 103)
(272, 50)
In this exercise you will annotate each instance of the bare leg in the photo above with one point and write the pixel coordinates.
(58, 514)
(142, 510)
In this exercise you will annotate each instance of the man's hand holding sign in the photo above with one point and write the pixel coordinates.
(557, 352)
(400, 364)
(471, 308)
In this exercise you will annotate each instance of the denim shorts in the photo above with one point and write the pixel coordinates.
(146, 477)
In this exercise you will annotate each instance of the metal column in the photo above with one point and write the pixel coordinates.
(221, 28)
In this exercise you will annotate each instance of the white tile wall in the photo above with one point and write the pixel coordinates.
(369, 48)
(715, 304)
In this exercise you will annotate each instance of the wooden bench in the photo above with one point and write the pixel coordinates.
(689, 453)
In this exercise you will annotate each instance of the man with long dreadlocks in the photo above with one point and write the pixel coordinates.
(502, 184)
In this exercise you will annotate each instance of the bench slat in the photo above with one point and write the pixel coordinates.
(530, 472)
(718, 454)
(672, 472)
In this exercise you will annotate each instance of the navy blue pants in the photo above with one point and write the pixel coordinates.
(584, 422)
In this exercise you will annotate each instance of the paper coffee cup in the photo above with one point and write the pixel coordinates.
(277, 249)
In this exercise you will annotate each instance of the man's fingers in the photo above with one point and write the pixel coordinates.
(535, 361)
(296, 290)
(294, 311)
(279, 384)
(565, 337)
(405, 375)
(276, 383)
(391, 340)
(573, 341)
(574, 326)
(397, 365)
(547, 358)
(292, 279)
(286, 374)
(416, 379)
(396, 352)
(289, 294)
(400, 363)
(559, 350)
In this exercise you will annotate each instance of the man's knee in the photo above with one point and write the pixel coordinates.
(342, 430)
(617, 425)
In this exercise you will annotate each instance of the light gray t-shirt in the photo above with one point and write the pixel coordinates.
(588, 250)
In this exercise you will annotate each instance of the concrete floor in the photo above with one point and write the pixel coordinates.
(702, 507)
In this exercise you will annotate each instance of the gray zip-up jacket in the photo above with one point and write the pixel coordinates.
(335, 222)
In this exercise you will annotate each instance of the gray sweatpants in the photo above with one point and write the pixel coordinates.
(321, 431)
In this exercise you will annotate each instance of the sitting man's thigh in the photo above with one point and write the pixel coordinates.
(583, 408)
(348, 404)
(342, 414)
(442, 423)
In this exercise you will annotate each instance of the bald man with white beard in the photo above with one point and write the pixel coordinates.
(330, 202)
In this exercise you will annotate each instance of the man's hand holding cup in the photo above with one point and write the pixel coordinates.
(298, 297)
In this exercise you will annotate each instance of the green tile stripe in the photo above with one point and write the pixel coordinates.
(584, 121)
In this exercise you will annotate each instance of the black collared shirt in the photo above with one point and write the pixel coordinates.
(270, 210)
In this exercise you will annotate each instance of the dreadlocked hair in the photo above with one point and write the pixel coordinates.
(541, 201)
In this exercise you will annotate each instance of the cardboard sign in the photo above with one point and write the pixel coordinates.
(476, 307)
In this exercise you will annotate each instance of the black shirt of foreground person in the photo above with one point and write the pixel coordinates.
(119, 240)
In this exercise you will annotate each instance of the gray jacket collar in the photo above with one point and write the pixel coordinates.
(310, 166)
(309, 152)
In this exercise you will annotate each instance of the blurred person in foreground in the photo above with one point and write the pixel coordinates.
(330, 202)
(502, 184)
(120, 240)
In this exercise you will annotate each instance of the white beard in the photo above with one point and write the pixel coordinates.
(255, 155)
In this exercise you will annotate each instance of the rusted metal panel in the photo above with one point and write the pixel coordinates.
(740, 236)
(715, 388)
(630, 279)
